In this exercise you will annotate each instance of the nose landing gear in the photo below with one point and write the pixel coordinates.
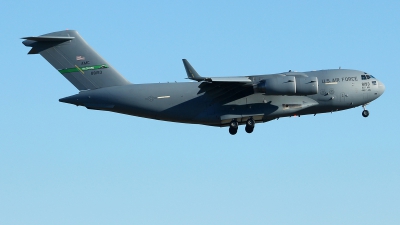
(365, 113)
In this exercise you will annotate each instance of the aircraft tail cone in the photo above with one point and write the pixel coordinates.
(74, 99)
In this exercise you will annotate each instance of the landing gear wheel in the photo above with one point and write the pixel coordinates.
(233, 127)
(249, 129)
(250, 123)
(232, 131)
(234, 124)
(365, 113)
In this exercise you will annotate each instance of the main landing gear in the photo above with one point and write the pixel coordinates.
(365, 113)
(234, 125)
(250, 123)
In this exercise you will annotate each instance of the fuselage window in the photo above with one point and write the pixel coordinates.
(367, 76)
(363, 77)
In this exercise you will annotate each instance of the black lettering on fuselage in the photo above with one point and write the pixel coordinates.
(365, 84)
(85, 63)
(326, 81)
(335, 80)
(96, 72)
(349, 79)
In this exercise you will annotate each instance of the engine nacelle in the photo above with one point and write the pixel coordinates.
(306, 85)
(289, 85)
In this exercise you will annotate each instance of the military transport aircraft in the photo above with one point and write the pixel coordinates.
(214, 101)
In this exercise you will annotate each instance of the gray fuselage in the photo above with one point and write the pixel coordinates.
(216, 105)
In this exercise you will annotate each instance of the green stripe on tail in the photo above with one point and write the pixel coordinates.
(72, 70)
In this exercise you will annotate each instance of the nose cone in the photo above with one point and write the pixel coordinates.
(381, 88)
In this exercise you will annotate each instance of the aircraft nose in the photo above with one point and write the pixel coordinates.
(381, 87)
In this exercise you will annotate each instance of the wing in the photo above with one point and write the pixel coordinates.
(193, 75)
(224, 92)
(221, 90)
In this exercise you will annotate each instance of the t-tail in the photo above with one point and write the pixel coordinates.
(69, 53)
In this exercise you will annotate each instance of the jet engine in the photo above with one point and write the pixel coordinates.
(289, 85)
(306, 85)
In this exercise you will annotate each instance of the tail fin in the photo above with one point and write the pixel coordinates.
(69, 53)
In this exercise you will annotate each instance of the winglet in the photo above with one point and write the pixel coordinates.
(191, 72)
(193, 75)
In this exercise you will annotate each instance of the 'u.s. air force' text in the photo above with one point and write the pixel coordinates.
(343, 79)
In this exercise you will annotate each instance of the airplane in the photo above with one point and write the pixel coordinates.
(214, 101)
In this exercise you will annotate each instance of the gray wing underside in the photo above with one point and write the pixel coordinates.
(225, 92)
(221, 90)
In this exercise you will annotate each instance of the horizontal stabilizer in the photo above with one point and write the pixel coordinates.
(42, 43)
(49, 38)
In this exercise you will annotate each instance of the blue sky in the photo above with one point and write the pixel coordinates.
(61, 164)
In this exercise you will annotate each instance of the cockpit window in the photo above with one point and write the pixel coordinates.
(366, 77)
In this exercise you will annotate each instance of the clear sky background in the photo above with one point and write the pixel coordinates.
(61, 164)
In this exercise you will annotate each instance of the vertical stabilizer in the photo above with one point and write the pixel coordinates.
(69, 53)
